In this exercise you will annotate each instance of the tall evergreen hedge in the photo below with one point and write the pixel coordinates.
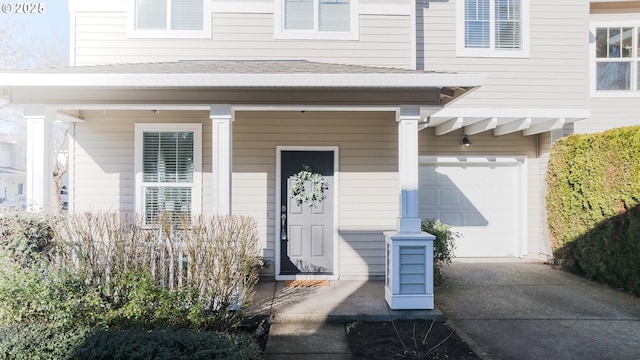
(593, 206)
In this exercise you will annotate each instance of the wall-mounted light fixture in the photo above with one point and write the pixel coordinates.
(465, 141)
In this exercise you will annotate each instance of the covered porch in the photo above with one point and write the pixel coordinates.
(250, 114)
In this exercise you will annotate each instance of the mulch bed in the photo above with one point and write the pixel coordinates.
(406, 339)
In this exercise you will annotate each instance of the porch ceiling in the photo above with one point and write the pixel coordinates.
(502, 121)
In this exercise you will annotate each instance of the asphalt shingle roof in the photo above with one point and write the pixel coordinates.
(226, 67)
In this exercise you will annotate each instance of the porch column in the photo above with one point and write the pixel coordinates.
(39, 158)
(408, 119)
(222, 157)
(409, 252)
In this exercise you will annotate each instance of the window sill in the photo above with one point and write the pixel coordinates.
(482, 53)
(622, 94)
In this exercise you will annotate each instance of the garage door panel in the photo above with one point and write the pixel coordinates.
(481, 202)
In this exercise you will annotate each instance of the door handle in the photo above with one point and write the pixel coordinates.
(283, 225)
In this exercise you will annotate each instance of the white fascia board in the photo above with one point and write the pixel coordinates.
(377, 80)
(570, 115)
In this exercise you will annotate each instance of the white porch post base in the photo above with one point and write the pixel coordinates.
(409, 271)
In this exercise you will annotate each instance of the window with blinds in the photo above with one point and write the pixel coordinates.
(617, 58)
(317, 16)
(167, 176)
(167, 171)
(169, 16)
(493, 26)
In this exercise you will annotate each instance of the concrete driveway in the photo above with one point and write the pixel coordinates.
(523, 310)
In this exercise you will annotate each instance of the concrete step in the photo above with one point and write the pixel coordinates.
(307, 340)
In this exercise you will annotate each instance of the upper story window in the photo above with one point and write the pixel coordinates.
(316, 19)
(169, 19)
(616, 62)
(493, 28)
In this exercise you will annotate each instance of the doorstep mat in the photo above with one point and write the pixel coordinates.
(306, 283)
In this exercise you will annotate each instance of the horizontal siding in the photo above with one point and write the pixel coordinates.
(103, 161)
(553, 76)
(368, 176)
(102, 38)
(368, 187)
(608, 113)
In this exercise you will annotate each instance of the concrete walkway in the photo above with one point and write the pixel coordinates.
(504, 309)
(309, 323)
(521, 310)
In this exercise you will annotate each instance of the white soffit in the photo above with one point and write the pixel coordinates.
(503, 121)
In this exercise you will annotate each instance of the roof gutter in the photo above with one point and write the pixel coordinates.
(239, 81)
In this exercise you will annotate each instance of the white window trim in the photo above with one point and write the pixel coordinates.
(592, 62)
(282, 34)
(196, 193)
(133, 33)
(462, 51)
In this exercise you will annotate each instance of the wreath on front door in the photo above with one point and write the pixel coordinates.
(318, 186)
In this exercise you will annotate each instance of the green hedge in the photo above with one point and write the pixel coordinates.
(592, 206)
(47, 342)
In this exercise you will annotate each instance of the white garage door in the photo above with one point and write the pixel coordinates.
(482, 198)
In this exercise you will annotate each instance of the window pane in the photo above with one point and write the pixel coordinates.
(508, 25)
(151, 14)
(614, 42)
(613, 76)
(298, 14)
(187, 15)
(477, 25)
(601, 42)
(334, 15)
(150, 150)
(175, 202)
(627, 42)
(168, 157)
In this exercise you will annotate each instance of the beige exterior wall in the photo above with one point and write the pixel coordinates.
(103, 148)
(553, 76)
(103, 157)
(368, 176)
(101, 38)
(485, 144)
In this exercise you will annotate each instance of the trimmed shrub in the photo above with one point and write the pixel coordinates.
(132, 344)
(44, 342)
(443, 246)
(592, 206)
(48, 342)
